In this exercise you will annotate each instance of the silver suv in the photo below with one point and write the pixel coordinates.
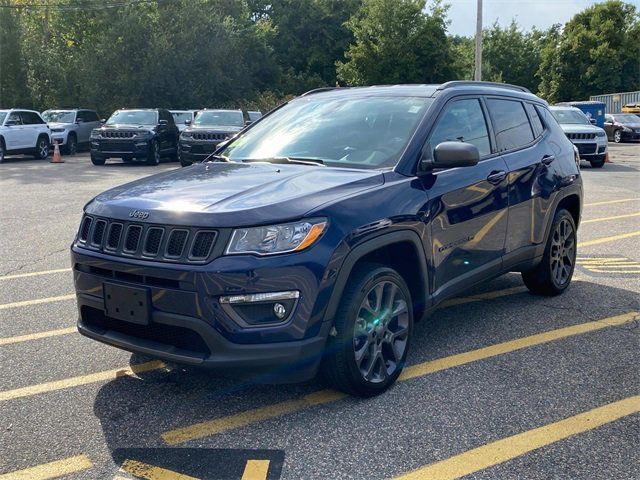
(23, 131)
(590, 140)
(71, 128)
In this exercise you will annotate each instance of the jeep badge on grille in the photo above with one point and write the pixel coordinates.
(139, 214)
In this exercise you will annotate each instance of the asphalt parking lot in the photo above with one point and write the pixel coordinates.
(500, 383)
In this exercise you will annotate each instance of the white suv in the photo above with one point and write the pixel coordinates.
(71, 128)
(23, 131)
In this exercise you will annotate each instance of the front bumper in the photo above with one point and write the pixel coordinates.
(61, 138)
(196, 151)
(630, 136)
(119, 147)
(591, 149)
(188, 325)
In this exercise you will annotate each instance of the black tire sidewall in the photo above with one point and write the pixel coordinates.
(71, 140)
(38, 144)
(97, 160)
(345, 322)
(154, 147)
(560, 215)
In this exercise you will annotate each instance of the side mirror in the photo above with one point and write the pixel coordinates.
(187, 122)
(451, 155)
(247, 123)
(103, 120)
(163, 123)
(593, 121)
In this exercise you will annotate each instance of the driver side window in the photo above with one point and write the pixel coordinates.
(462, 121)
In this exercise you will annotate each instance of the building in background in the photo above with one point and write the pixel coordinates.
(615, 101)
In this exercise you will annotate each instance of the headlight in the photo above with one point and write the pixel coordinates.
(269, 240)
(185, 135)
(601, 133)
(142, 134)
(626, 129)
(95, 134)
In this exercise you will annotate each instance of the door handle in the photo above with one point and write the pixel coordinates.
(496, 177)
(547, 159)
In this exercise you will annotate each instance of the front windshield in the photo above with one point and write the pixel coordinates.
(354, 132)
(627, 118)
(571, 117)
(59, 116)
(181, 117)
(133, 117)
(2, 116)
(219, 118)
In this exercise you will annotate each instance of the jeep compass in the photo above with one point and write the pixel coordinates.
(315, 238)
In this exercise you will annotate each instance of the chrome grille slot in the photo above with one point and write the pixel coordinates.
(85, 228)
(134, 232)
(202, 245)
(176, 243)
(152, 241)
(113, 238)
(98, 232)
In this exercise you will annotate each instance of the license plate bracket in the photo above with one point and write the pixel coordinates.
(129, 304)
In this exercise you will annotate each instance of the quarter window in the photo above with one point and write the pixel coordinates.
(510, 123)
(536, 123)
(462, 121)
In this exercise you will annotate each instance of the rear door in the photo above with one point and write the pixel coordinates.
(32, 128)
(521, 140)
(15, 136)
(468, 206)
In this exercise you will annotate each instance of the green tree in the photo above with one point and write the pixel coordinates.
(598, 51)
(397, 41)
(13, 75)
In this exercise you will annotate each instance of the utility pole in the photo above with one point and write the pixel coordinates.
(478, 71)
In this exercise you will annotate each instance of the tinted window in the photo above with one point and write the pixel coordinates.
(165, 115)
(30, 118)
(91, 116)
(510, 123)
(536, 123)
(462, 121)
(81, 115)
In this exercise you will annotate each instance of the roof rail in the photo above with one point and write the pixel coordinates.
(459, 83)
(318, 90)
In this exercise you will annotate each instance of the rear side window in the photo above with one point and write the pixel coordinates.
(510, 124)
(14, 119)
(81, 115)
(165, 115)
(91, 116)
(462, 121)
(536, 123)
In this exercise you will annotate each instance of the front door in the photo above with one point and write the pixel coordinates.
(467, 206)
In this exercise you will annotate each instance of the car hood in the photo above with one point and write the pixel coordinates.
(232, 194)
(59, 125)
(573, 128)
(212, 129)
(630, 125)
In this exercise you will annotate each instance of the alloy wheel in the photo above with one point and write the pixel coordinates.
(72, 145)
(43, 149)
(563, 252)
(617, 136)
(381, 332)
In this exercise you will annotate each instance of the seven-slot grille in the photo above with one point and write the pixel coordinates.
(209, 136)
(581, 136)
(117, 134)
(152, 242)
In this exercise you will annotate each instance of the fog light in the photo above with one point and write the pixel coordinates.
(260, 309)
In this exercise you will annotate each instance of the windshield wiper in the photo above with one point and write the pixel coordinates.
(216, 158)
(292, 160)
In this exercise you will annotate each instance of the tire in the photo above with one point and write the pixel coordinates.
(127, 159)
(153, 158)
(42, 148)
(175, 155)
(71, 148)
(184, 162)
(2, 152)
(97, 160)
(553, 275)
(617, 136)
(599, 163)
(359, 328)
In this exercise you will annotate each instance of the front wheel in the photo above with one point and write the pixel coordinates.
(97, 160)
(597, 163)
(373, 327)
(1, 151)
(42, 148)
(553, 275)
(154, 153)
(72, 145)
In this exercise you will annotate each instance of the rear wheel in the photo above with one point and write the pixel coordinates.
(373, 326)
(42, 148)
(1, 151)
(153, 157)
(617, 136)
(97, 160)
(553, 275)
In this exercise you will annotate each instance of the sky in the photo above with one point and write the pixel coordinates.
(528, 13)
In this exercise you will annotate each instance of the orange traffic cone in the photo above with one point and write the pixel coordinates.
(57, 158)
(606, 158)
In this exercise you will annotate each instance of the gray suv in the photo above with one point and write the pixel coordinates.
(71, 128)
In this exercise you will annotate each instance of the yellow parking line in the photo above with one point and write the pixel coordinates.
(614, 271)
(37, 301)
(81, 380)
(37, 336)
(256, 470)
(598, 241)
(151, 472)
(55, 469)
(34, 274)
(616, 217)
(609, 202)
(219, 425)
(500, 451)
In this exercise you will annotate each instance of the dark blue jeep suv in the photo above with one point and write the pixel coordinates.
(315, 238)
